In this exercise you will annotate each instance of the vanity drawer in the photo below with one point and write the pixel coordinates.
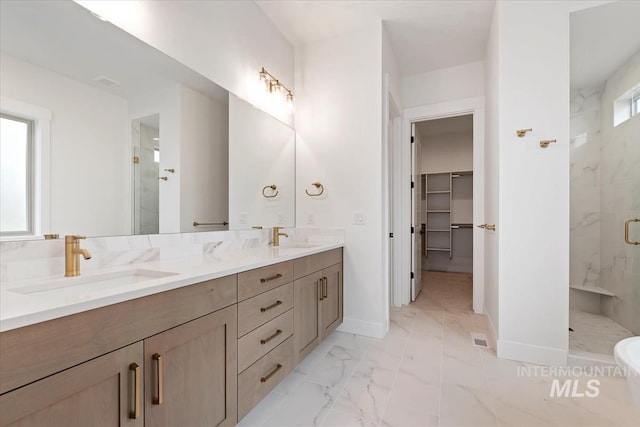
(261, 341)
(259, 280)
(309, 264)
(261, 377)
(264, 307)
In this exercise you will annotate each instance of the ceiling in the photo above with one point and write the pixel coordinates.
(602, 39)
(425, 35)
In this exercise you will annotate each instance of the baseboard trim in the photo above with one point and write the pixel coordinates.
(362, 327)
(529, 353)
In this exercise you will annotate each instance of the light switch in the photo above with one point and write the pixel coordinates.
(359, 218)
(242, 218)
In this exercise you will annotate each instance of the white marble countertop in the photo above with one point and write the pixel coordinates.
(18, 309)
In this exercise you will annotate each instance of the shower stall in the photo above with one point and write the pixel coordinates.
(605, 202)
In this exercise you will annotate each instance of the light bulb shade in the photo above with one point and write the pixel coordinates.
(289, 97)
(263, 75)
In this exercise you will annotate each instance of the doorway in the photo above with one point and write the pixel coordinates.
(410, 171)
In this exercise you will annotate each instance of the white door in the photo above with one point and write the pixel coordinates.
(416, 221)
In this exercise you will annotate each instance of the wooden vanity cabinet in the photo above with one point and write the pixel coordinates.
(317, 299)
(190, 373)
(105, 391)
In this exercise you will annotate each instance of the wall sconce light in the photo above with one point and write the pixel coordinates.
(273, 85)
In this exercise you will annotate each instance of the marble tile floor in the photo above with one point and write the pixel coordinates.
(594, 333)
(426, 372)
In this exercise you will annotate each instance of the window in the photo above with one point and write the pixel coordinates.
(16, 175)
(635, 102)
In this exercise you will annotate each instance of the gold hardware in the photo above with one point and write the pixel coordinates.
(320, 289)
(198, 224)
(72, 252)
(482, 226)
(257, 227)
(269, 338)
(273, 187)
(269, 307)
(491, 227)
(268, 279)
(276, 235)
(522, 132)
(545, 143)
(136, 159)
(318, 186)
(160, 390)
(51, 236)
(270, 374)
(274, 84)
(325, 292)
(164, 178)
(136, 391)
(172, 170)
(626, 231)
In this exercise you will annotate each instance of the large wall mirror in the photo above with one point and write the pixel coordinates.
(104, 135)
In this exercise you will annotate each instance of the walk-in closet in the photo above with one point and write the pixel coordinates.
(447, 193)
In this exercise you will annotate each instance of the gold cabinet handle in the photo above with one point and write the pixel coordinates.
(325, 287)
(626, 231)
(160, 390)
(268, 279)
(136, 391)
(266, 340)
(269, 307)
(270, 374)
(320, 290)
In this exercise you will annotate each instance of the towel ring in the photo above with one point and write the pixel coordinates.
(318, 186)
(273, 187)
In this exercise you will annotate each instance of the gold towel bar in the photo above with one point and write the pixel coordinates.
(319, 186)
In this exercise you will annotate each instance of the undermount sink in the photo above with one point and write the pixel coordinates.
(86, 287)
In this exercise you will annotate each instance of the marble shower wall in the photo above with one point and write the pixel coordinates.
(585, 188)
(620, 200)
(22, 260)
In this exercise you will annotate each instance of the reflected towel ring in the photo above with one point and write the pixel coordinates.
(273, 187)
(318, 186)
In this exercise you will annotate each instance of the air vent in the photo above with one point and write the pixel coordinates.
(479, 340)
(106, 81)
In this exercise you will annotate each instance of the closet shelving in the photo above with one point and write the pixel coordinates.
(448, 209)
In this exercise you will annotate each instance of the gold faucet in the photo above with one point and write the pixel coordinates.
(72, 252)
(276, 235)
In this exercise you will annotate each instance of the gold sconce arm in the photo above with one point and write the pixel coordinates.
(521, 132)
(627, 240)
(319, 186)
(273, 188)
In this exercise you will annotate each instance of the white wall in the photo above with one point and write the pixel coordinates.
(533, 183)
(225, 41)
(339, 123)
(204, 160)
(447, 152)
(93, 196)
(446, 84)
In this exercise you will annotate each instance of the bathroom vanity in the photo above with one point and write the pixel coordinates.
(204, 352)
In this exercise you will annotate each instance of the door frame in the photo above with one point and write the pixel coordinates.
(474, 106)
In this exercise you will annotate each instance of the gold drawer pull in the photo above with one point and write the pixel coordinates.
(270, 374)
(269, 307)
(136, 391)
(320, 289)
(266, 340)
(159, 397)
(325, 285)
(268, 279)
